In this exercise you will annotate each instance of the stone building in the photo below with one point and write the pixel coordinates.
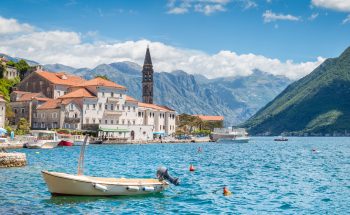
(9, 72)
(2, 111)
(24, 104)
(52, 85)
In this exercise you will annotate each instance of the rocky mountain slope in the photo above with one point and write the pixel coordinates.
(316, 104)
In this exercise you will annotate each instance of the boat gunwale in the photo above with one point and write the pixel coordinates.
(91, 180)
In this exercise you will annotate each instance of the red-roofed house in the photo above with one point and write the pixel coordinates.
(52, 85)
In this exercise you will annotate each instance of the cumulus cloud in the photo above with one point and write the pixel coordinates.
(70, 49)
(339, 5)
(11, 26)
(269, 16)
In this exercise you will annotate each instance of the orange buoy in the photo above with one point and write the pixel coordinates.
(226, 192)
(192, 168)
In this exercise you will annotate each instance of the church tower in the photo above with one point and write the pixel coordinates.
(147, 79)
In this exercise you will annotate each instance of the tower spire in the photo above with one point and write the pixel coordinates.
(147, 78)
(148, 59)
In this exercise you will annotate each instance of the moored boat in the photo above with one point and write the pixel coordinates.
(81, 185)
(79, 140)
(233, 135)
(42, 139)
(66, 140)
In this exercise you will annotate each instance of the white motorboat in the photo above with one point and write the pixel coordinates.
(67, 184)
(42, 139)
(79, 140)
(234, 135)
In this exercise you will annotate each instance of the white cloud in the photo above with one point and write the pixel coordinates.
(68, 48)
(346, 20)
(313, 16)
(11, 26)
(339, 5)
(269, 16)
(206, 7)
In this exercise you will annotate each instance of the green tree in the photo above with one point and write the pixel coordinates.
(11, 63)
(102, 76)
(2, 70)
(22, 67)
(23, 127)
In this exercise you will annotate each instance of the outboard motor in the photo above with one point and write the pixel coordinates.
(162, 173)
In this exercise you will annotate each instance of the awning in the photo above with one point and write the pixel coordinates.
(113, 130)
(159, 132)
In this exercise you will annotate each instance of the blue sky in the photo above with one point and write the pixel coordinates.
(296, 30)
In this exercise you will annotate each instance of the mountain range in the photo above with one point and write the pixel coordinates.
(318, 104)
(236, 98)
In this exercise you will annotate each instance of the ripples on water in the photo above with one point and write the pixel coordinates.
(264, 177)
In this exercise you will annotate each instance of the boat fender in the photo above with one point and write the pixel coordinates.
(100, 187)
(133, 188)
(148, 189)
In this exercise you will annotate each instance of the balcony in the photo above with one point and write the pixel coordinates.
(113, 112)
(71, 120)
(113, 100)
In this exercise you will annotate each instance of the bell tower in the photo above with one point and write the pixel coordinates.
(147, 79)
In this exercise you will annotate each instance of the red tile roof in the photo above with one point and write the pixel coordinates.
(79, 93)
(130, 99)
(29, 96)
(154, 106)
(61, 78)
(50, 104)
(102, 82)
(210, 118)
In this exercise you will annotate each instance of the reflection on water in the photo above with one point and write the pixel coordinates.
(60, 199)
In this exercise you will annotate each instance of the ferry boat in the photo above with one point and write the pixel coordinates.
(234, 135)
(43, 139)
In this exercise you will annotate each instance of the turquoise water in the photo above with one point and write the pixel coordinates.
(264, 176)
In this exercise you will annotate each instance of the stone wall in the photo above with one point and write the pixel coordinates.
(12, 159)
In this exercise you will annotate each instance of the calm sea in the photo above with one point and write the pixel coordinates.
(264, 177)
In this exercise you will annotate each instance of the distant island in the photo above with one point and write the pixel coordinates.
(316, 105)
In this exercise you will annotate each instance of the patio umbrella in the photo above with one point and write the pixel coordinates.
(3, 131)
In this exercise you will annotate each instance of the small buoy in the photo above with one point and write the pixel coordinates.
(192, 168)
(314, 150)
(226, 192)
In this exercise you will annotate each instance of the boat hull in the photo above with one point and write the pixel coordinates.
(233, 140)
(65, 143)
(42, 145)
(66, 184)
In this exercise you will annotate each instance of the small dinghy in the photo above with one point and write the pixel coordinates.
(81, 185)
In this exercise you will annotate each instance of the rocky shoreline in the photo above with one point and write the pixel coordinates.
(12, 159)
